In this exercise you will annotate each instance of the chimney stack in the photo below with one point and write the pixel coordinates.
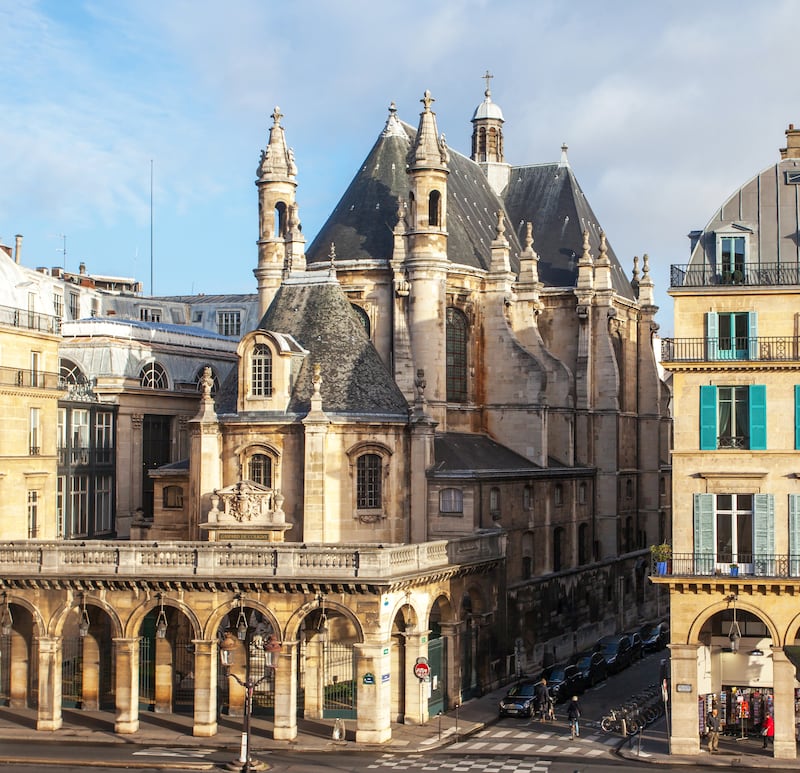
(17, 247)
(792, 149)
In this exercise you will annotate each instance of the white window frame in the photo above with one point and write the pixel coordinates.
(229, 322)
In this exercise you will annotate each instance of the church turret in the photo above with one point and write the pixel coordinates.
(279, 226)
(426, 256)
(487, 140)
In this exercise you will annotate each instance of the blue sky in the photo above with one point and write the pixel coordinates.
(666, 107)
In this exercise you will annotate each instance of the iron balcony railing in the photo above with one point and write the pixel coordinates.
(25, 377)
(725, 350)
(707, 275)
(743, 565)
(30, 320)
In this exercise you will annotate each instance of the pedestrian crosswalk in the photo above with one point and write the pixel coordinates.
(427, 762)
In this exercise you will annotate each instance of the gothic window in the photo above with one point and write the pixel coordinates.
(434, 208)
(261, 371)
(153, 376)
(280, 219)
(368, 482)
(259, 470)
(451, 501)
(362, 316)
(456, 355)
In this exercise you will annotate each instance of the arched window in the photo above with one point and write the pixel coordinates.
(583, 543)
(558, 548)
(214, 381)
(527, 498)
(70, 373)
(456, 354)
(173, 496)
(434, 208)
(280, 219)
(153, 376)
(629, 489)
(363, 317)
(259, 470)
(261, 371)
(451, 500)
(369, 495)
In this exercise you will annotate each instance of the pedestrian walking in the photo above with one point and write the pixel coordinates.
(713, 728)
(573, 715)
(542, 699)
(768, 731)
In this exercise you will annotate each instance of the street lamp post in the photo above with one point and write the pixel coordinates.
(228, 644)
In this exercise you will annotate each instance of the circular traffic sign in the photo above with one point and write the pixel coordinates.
(422, 670)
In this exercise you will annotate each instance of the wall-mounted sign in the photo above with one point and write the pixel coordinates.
(683, 688)
(368, 678)
(385, 677)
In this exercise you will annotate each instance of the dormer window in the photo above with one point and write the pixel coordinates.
(261, 371)
(733, 246)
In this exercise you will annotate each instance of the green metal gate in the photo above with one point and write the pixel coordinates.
(147, 674)
(183, 669)
(339, 681)
(469, 666)
(263, 693)
(437, 661)
(71, 672)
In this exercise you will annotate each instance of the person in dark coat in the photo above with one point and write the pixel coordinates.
(543, 700)
(714, 727)
(573, 715)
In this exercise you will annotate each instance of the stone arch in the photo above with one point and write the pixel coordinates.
(473, 601)
(39, 624)
(792, 630)
(61, 615)
(134, 622)
(710, 611)
(294, 623)
(231, 609)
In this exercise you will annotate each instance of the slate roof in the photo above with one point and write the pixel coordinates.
(316, 312)
(362, 223)
(461, 453)
(548, 195)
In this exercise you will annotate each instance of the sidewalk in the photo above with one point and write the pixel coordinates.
(175, 730)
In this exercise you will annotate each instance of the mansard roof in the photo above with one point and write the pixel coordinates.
(548, 195)
(361, 226)
(315, 311)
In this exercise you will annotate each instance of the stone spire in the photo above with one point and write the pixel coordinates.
(393, 128)
(429, 150)
(277, 161)
(602, 269)
(564, 160)
(646, 295)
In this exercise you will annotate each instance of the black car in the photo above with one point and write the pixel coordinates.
(637, 650)
(519, 700)
(565, 681)
(654, 636)
(617, 652)
(592, 666)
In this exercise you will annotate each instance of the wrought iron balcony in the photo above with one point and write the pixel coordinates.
(25, 377)
(729, 350)
(30, 320)
(744, 566)
(760, 275)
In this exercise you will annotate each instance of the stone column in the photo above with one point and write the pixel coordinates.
(684, 738)
(165, 676)
(783, 676)
(90, 677)
(19, 665)
(205, 688)
(314, 668)
(374, 700)
(49, 716)
(452, 633)
(285, 725)
(127, 685)
(416, 690)
(236, 693)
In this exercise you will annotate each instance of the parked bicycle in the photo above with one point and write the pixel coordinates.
(619, 721)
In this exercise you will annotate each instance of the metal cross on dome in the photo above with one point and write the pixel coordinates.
(487, 77)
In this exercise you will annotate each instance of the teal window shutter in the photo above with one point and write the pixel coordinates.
(712, 335)
(704, 533)
(797, 417)
(794, 535)
(752, 335)
(764, 534)
(758, 417)
(708, 418)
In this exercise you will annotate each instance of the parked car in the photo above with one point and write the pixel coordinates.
(592, 666)
(636, 645)
(565, 681)
(519, 700)
(654, 636)
(617, 652)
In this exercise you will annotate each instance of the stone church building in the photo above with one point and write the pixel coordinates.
(445, 442)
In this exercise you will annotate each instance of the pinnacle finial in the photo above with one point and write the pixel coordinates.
(528, 236)
(276, 115)
(501, 224)
(586, 249)
(427, 100)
